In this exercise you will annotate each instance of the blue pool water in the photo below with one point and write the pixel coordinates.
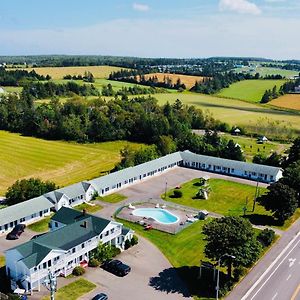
(158, 214)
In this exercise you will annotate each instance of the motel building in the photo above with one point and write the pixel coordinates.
(34, 209)
(73, 234)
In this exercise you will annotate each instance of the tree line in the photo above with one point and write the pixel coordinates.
(19, 77)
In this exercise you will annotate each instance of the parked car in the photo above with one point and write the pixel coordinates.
(100, 296)
(116, 267)
(16, 232)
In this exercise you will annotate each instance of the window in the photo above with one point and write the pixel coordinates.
(107, 233)
(49, 263)
(82, 245)
(101, 236)
(73, 250)
(112, 230)
(44, 265)
(56, 224)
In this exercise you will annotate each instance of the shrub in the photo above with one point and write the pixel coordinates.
(94, 263)
(134, 240)
(114, 251)
(239, 272)
(266, 237)
(77, 271)
(95, 195)
(177, 194)
(127, 244)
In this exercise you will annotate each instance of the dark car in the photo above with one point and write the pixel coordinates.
(101, 296)
(116, 267)
(16, 232)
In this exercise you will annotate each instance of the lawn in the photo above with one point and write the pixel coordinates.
(74, 290)
(263, 71)
(60, 72)
(40, 226)
(250, 146)
(234, 112)
(290, 101)
(89, 208)
(226, 197)
(249, 90)
(2, 261)
(113, 198)
(63, 162)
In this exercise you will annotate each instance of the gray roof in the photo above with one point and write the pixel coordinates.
(228, 163)
(125, 174)
(24, 209)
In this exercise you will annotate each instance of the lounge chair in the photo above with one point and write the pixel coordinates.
(157, 205)
(130, 206)
(164, 206)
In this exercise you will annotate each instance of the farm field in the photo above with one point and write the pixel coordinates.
(12, 89)
(60, 72)
(263, 71)
(188, 80)
(250, 146)
(233, 112)
(249, 90)
(62, 162)
(290, 101)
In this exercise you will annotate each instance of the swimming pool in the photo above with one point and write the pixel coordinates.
(158, 214)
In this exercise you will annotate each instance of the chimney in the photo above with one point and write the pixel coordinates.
(84, 212)
(84, 224)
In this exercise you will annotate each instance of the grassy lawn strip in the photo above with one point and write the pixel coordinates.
(226, 197)
(74, 290)
(2, 261)
(88, 208)
(113, 198)
(40, 226)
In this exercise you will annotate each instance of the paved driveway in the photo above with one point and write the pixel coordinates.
(151, 277)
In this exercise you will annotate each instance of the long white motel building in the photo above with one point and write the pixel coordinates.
(32, 210)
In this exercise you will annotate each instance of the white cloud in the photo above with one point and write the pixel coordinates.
(140, 7)
(239, 6)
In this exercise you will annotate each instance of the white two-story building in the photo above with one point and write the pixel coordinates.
(73, 235)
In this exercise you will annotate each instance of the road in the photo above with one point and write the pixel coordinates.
(277, 275)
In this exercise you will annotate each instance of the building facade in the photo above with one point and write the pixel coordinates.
(73, 235)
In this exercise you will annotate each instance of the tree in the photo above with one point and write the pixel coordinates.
(281, 200)
(294, 153)
(233, 151)
(104, 252)
(166, 145)
(26, 189)
(234, 236)
(291, 177)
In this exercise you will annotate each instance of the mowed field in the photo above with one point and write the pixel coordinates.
(62, 162)
(249, 90)
(233, 112)
(291, 101)
(189, 81)
(263, 71)
(60, 72)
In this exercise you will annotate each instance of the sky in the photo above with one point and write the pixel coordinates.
(151, 28)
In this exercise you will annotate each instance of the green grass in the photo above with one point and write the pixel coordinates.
(74, 290)
(88, 208)
(113, 198)
(234, 112)
(62, 162)
(251, 148)
(249, 90)
(40, 226)
(263, 71)
(186, 248)
(12, 89)
(2, 261)
(226, 197)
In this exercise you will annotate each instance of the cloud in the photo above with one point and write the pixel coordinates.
(140, 7)
(239, 6)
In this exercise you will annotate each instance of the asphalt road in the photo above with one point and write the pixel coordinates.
(277, 275)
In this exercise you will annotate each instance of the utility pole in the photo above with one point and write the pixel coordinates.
(166, 189)
(51, 284)
(256, 195)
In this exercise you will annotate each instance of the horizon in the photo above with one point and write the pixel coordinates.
(151, 29)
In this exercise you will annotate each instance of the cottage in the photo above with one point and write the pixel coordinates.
(73, 235)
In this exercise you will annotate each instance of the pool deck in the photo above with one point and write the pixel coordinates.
(126, 214)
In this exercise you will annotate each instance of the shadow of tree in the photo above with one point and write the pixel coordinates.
(265, 220)
(187, 283)
(4, 282)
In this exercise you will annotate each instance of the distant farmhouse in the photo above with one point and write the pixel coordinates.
(32, 210)
(73, 235)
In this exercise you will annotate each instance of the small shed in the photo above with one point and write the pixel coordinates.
(262, 140)
(202, 214)
(236, 131)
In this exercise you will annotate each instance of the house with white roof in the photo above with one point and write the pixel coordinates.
(73, 236)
